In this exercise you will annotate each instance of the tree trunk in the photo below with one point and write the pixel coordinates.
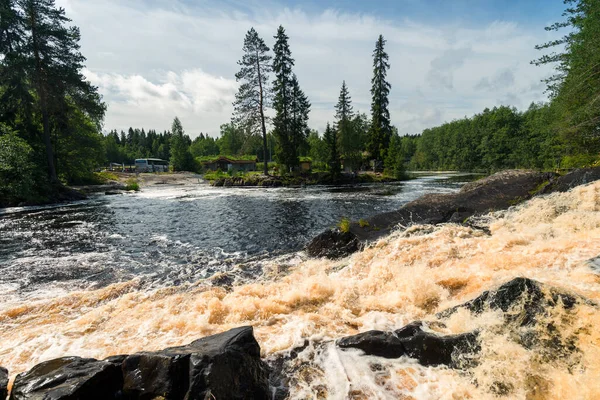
(48, 142)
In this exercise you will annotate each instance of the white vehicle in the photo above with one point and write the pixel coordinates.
(151, 165)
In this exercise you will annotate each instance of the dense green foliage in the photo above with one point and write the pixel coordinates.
(44, 98)
(16, 168)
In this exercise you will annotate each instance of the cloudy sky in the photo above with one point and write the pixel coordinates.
(155, 59)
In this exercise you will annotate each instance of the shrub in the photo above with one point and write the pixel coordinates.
(363, 223)
(344, 225)
(132, 184)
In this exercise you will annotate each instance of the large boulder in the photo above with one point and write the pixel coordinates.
(3, 383)
(69, 378)
(495, 192)
(222, 366)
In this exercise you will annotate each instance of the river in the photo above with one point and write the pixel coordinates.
(121, 274)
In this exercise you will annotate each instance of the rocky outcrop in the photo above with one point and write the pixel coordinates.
(222, 366)
(333, 244)
(524, 303)
(496, 192)
(573, 179)
(3, 383)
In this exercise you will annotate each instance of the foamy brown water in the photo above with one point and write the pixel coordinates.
(406, 276)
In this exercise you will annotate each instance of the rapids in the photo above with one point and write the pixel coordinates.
(407, 276)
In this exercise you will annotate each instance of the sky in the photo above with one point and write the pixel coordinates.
(153, 60)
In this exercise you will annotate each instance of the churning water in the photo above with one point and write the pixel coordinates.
(118, 275)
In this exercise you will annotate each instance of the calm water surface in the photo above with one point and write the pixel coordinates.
(174, 234)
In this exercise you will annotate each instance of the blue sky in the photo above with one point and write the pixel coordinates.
(155, 59)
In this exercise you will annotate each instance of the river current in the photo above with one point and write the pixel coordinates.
(163, 267)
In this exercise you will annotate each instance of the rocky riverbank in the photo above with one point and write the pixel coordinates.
(493, 193)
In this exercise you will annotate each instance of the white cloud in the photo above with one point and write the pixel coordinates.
(156, 59)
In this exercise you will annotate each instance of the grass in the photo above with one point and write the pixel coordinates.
(344, 225)
(106, 176)
(132, 184)
(363, 223)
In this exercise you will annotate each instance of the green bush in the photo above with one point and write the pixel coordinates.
(132, 184)
(344, 225)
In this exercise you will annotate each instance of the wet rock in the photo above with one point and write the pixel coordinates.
(223, 366)
(496, 192)
(3, 383)
(525, 293)
(572, 179)
(333, 244)
(525, 304)
(69, 378)
(412, 341)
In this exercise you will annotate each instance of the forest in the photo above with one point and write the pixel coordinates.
(51, 117)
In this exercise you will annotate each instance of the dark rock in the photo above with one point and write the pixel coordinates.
(223, 366)
(428, 348)
(572, 179)
(525, 293)
(3, 383)
(496, 192)
(333, 244)
(69, 378)
(112, 192)
(524, 303)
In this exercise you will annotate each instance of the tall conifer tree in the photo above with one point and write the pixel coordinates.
(381, 130)
(330, 137)
(344, 114)
(252, 97)
(290, 103)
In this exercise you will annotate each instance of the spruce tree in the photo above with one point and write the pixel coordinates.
(290, 125)
(282, 100)
(300, 109)
(381, 130)
(348, 145)
(330, 138)
(252, 97)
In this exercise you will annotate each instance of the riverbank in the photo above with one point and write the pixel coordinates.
(306, 179)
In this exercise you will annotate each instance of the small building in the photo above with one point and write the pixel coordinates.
(305, 164)
(229, 163)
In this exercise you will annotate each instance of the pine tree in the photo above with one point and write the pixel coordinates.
(381, 130)
(333, 157)
(52, 62)
(252, 97)
(348, 145)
